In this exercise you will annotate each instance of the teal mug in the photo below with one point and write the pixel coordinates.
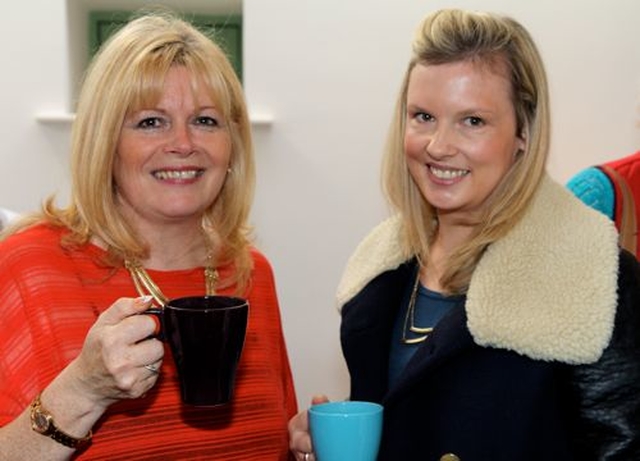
(346, 431)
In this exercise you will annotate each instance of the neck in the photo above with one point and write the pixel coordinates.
(453, 231)
(431, 273)
(178, 254)
(450, 235)
(173, 243)
(184, 249)
(176, 247)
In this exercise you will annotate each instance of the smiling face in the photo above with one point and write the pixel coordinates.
(172, 159)
(460, 138)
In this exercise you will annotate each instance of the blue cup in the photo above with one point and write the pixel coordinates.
(346, 431)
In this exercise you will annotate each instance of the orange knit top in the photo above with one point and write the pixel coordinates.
(50, 297)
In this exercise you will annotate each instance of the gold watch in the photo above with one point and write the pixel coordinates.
(42, 423)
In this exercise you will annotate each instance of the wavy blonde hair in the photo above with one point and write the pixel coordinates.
(453, 35)
(126, 75)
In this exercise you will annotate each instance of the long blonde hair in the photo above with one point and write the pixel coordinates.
(127, 74)
(453, 35)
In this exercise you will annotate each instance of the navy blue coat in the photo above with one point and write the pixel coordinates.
(542, 362)
(488, 404)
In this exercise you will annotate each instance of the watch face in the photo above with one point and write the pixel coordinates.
(41, 422)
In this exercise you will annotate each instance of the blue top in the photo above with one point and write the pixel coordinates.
(594, 188)
(430, 307)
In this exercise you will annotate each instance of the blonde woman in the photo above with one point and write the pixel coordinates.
(493, 315)
(163, 176)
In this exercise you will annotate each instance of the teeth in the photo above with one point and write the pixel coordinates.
(171, 174)
(447, 174)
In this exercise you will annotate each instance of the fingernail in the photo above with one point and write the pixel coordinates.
(144, 299)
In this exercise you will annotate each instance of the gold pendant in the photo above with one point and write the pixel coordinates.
(409, 320)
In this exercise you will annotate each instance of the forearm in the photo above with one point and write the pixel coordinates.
(74, 413)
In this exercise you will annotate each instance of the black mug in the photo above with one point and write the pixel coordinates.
(206, 335)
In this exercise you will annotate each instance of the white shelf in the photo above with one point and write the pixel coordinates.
(66, 118)
(55, 118)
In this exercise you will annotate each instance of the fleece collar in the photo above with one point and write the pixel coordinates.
(546, 290)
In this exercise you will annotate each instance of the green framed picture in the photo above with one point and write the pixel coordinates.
(226, 31)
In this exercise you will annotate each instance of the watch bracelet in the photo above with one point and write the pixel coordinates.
(56, 434)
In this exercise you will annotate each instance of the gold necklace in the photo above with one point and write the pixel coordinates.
(146, 286)
(409, 320)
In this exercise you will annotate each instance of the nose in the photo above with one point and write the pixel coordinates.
(441, 142)
(181, 141)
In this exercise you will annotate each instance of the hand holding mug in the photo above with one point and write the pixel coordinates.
(299, 436)
(111, 363)
(346, 431)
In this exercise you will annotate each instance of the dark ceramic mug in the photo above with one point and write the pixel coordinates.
(206, 335)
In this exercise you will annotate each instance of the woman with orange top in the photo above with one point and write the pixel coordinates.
(163, 176)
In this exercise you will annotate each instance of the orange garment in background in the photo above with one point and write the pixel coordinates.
(49, 298)
(624, 174)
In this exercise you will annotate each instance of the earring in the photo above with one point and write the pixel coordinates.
(229, 170)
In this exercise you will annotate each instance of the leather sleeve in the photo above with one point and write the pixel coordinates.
(608, 391)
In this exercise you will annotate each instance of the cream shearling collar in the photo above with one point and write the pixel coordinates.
(546, 290)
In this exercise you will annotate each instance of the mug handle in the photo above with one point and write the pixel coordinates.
(158, 314)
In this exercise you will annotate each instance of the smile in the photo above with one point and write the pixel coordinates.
(446, 173)
(177, 174)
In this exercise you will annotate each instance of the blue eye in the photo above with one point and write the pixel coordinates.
(422, 117)
(475, 121)
(149, 122)
(207, 121)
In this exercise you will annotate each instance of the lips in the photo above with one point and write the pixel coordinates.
(177, 174)
(447, 173)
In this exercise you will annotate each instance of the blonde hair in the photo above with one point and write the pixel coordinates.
(453, 35)
(128, 74)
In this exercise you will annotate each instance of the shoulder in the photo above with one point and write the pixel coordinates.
(262, 274)
(39, 239)
(609, 389)
(380, 251)
(262, 291)
(593, 187)
(629, 286)
(260, 261)
(556, 270)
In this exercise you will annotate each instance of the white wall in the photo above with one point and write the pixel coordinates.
(328, 72)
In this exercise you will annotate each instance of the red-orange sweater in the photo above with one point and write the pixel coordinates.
(50, 297)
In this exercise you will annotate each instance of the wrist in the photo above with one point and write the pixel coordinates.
(43, 422)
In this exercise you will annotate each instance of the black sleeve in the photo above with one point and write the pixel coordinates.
(608, 391)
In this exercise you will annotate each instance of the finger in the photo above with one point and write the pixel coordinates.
(147, 351)
(123, 308)
(305, 456)
(154, 368)
(142, 326)
(318, 399)
(138, 327)
(300, 439)
(157, 325)
(127, 346)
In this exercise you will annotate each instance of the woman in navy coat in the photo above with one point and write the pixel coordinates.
(493, 314)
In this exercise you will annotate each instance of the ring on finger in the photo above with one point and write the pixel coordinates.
(307, 456)
(152, 368)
